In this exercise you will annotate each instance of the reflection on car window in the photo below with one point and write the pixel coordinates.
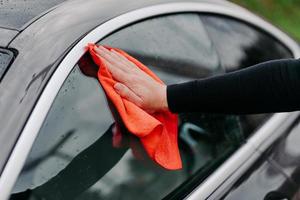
(74, 157)
(6, 57)
(245, 45)
(176, 44)
(240, 45)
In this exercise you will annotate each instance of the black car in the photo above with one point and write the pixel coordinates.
(56, 133)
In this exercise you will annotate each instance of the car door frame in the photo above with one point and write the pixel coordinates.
(246, 153)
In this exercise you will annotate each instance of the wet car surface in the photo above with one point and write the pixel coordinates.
(57, 135)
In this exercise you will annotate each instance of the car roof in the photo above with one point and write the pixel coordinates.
(18, 15)
(15, 14)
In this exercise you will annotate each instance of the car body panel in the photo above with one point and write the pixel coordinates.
(41, 47)
(6, 35)
(15, 14)
(276, 171)
(258, 181)
(284, 153)
(244, 159)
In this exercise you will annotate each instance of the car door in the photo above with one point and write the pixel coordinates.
(270, 177)
(274, 175)
(73, 155)
(240, 45)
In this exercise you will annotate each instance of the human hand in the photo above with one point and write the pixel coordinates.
(134, 84)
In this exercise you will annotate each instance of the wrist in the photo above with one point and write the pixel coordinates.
(164, 101)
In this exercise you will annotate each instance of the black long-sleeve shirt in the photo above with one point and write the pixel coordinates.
(272, 86)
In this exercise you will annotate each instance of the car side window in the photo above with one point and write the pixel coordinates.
(6, 58)
(240, 45)
(74, 155)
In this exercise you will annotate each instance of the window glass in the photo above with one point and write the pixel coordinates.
(177, 45)
(74, 157)
(240, 45)
(275, 175)
(6, 57)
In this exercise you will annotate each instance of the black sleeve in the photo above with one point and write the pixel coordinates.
(272, 86)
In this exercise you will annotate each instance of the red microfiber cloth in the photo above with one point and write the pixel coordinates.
(158, 131)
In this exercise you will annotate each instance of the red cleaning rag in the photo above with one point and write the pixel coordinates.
(158, 131)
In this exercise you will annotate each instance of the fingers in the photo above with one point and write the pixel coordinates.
(117, 59)
(123, 59)
(126, 93)
(110, 57)
(117, 73)
(120, 57)
(104, 53)
(117, 65)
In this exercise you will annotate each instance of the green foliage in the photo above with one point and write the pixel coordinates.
(283, 13)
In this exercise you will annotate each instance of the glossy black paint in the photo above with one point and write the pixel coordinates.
(258, 182)
(285, 154)
(15, 14)
(41, 47)
(267, 178)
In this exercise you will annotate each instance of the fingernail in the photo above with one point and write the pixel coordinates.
(96, 48)
(117, 86)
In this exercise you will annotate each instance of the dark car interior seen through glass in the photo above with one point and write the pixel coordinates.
(239, 46)
(6, 57)
(74, 157)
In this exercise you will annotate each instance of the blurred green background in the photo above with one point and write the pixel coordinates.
(285, 14)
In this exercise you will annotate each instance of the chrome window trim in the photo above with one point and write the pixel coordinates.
(277, 129)
(39, 113)
(241, 160)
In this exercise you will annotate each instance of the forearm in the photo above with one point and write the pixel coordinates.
(268, 87)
